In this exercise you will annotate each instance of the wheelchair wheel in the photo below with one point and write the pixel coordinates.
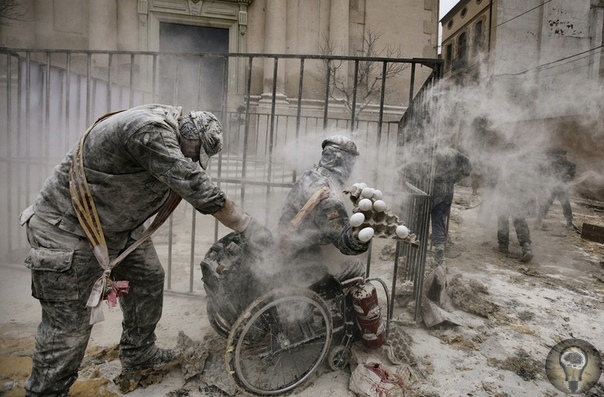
(219, 324)
(279, 341)
(339, 357)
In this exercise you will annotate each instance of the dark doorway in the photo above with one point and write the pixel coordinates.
(194, 82)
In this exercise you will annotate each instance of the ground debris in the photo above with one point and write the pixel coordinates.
(388, 252)
(398, 346)
(457, 341)
(98, 356)
(97, 387)
(193, 358)
(179, 393)
(130, 381)
(469, 296)
(596, 391)
(522, 364)
(592, 233)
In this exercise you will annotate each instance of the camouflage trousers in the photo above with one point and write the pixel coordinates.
(503, 230)
(63, 271)
(559, 192)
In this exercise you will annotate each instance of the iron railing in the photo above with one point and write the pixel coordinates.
(49, 97)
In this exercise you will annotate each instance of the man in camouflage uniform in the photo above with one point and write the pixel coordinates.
(450, 167)
(557, 173)
(311, 222)
(132, 160)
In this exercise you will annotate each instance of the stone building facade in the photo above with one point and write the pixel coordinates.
(540, 68)
(234, 26)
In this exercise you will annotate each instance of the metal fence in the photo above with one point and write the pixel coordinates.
(49, 97)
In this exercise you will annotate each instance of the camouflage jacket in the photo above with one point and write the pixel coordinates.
(131, 160)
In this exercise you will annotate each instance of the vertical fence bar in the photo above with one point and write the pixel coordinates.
(9, 189)
(47, 111)
(271, 141)
(192, 258)
(246, 132)
(299, 108)
(354, 96)
(29, 121)
(109, 83)
(411, 84)
(88, 89)
(68, 96)
(169, 266)
(131, 102)
(154, 78)
(326, 101)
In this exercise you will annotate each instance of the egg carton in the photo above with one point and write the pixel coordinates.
(375, 215)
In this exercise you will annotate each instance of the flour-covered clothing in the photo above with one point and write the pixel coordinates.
(310, 222)
(451, 166)
(131, 160)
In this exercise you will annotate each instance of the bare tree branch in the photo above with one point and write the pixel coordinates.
(10, 9)
(369, 73)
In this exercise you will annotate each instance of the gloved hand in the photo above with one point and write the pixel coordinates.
(257, 236)
(232, 216)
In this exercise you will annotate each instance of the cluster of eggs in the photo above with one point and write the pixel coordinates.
(371, 216)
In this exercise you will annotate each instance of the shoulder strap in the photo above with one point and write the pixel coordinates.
(310, 204)
(88, 217)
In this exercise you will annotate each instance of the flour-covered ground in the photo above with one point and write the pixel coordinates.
(499, 352)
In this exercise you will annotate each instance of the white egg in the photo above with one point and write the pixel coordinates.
(402, 231)
(379, 206)
(366, 234)
(365, 204)
(354, 189)
(362, 185)
(357, 219)
(367, 192)
(377, 194)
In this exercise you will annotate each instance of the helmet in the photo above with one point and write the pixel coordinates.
(344, 143)
(206, 127)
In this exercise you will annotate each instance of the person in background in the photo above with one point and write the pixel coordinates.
(557, 174)
(450, 167)
(516, 198)
(124, 170)
(315, 218)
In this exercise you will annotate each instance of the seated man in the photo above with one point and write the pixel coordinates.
(314, 217)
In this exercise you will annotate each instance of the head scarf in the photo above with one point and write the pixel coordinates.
(205, 127)
(339, 156)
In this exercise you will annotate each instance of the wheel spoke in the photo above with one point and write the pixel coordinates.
(279, 341)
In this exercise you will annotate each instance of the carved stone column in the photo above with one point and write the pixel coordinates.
(339, 22)
(102, 22)
(127, 29)
(339, 33)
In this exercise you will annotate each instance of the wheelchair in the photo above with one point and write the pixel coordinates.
(276, 337)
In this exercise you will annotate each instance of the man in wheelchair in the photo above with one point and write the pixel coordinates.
(314, 221)
(289, 305)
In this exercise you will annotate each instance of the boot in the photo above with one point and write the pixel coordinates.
(439, 253)
(527, 253)
(159, 359)
(503, 249)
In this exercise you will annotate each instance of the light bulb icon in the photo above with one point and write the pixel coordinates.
(573, 361)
